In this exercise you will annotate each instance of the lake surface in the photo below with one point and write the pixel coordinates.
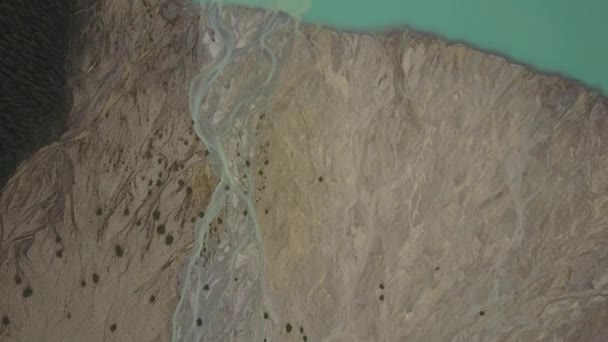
(555, 36)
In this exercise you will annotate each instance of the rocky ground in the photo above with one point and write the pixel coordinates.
(380, 187)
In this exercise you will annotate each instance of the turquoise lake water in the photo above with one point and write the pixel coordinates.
(568, 37)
